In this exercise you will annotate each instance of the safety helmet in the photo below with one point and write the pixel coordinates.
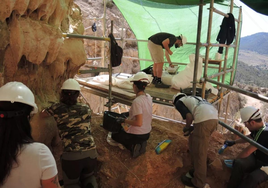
(177, 97)
(183, 39)
(249, 113)
(71, 84)
(141, 77)
(18, 92)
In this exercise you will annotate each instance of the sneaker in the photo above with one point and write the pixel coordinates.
(136, 150)
(190, 174)
(187, 181)
(113, 142)
(161, 85)
(143, 147)
(154, 81)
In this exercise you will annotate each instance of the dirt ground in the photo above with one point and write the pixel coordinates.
(117, 169)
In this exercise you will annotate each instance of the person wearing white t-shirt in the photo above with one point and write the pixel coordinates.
(134, 136)
(24, 163)
(205, 120)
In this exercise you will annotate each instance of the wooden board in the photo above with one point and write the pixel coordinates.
(160, 95)
(89, 82)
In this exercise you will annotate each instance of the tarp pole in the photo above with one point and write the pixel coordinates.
(252, 142)
(207, 47)
(237, 38)
(248, 93)
(223, 77)
(232, 6)
(110, 73)
(197, 46)
(85, 37)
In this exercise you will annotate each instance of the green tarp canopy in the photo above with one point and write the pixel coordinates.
(148, 17)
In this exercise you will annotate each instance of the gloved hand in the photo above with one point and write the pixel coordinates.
(229, 142)
(187, 130)
(120, 120)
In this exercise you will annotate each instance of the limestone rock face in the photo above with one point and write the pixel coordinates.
(32, 49)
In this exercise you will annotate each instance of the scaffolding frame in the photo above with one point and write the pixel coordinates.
(107, 39)
(205, 78)
(208, 44)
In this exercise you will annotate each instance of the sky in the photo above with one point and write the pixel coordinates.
(252, 22)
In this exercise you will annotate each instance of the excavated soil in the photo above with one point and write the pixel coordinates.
(117, 169)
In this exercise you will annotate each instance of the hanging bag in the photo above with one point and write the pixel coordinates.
(116, 52)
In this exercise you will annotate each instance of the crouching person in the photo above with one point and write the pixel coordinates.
(205, 119)
(79, 157)
(137, 126)
(251, 166)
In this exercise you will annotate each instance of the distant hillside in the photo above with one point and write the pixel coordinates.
(257, 43)
(252, 66)
(251, 75)
(253, 58)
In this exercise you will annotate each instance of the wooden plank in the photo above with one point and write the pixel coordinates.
(162, 93)
(89, 82)
(165, 95)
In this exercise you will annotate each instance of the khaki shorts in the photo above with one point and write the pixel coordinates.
(156, 51)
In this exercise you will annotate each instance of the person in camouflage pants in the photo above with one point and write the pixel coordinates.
(79, 156)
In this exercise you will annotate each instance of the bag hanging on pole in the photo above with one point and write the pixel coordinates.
(116, 52)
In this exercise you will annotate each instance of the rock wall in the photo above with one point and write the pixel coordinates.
(32, 49)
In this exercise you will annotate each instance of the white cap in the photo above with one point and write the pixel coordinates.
(177, 97)
(183, 39)
(18, 92)
(71, 84)
(141, 77)
(249, 113)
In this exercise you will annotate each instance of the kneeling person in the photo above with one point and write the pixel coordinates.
(134, 136)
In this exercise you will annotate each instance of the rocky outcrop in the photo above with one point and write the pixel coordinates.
(32, 49)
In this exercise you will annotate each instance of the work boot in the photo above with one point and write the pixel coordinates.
(143, 147)
(160, 84)
(190, 174)
(187, 181)
(154, 80)
(136, 150)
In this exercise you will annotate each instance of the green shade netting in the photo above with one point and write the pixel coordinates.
(147, 18)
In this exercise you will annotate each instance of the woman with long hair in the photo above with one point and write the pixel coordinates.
(24, 163)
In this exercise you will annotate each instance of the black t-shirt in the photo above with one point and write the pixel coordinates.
(158, 38)
(182, 109)
(262, 140)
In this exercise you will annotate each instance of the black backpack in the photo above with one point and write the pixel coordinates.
(116, 52)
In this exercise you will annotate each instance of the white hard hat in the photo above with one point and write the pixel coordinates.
(70, 84)
(18, 92)
(183, 39)
(141, 77)
(177, 97)
(249, 113)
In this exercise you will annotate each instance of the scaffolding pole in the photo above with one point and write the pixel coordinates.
(207, 47)
(248, 93)
(110, 99)
(252, 142)
(237, 43)
(197, 45)
(85, 37)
